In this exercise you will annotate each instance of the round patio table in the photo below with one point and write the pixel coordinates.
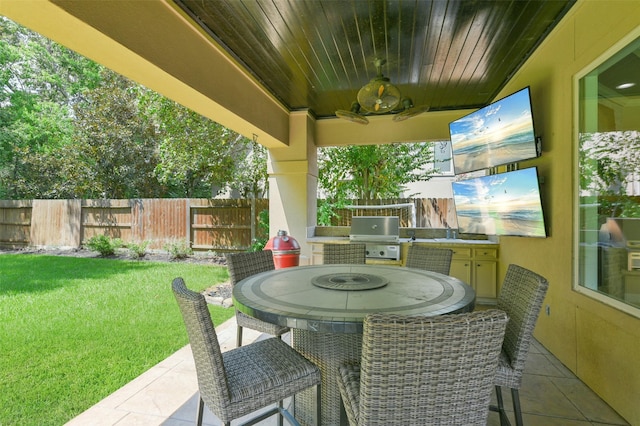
(325, 306)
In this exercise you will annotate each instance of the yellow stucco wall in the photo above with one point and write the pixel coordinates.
(597, 342)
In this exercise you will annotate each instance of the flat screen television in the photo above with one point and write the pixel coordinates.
(500, 133)
(502, 204)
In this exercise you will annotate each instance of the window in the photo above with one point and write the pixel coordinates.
(608, 261)
(443, 158)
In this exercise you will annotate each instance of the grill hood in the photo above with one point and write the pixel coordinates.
(375, 229)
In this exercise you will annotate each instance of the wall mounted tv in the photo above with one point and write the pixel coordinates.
(500, 133)
(503, 204)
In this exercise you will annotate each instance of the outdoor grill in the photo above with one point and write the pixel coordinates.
(381, 235)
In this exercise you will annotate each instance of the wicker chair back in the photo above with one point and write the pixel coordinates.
(429, 259)
(241, 266)
(418, 370)
(212, 377)
(521, 297)
(344, 254)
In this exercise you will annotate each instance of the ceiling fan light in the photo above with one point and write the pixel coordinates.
(379, 96)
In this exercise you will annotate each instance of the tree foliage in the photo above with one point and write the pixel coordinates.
(70, 128)
(40, 82)
(115, 142)
(198, 157)
(609, 165)
(251, 179)
(372, 171)
(368, 173)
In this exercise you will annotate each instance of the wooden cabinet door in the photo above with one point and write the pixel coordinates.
(461, 269)
(485, 278)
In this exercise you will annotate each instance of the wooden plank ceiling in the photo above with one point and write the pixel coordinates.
(317, 54)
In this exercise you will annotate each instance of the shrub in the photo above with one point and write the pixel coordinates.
(327, 211)
(137, 250)
(103, 244)
(258, 243)
(178, 249)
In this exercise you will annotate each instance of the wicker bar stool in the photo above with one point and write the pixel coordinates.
(242, 380)
(241, 266)
(418, 370)
(521, 297)
(429, 259)
(341, 254)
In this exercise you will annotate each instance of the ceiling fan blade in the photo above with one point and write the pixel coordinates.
(411, 112)
(352, 116)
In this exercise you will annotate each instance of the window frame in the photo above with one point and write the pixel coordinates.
(576, 285)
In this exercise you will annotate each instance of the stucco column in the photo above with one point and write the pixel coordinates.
(293, 182)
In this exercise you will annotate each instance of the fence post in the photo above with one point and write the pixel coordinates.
(188, 223)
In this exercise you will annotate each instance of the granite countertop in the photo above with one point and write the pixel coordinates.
(340, 234)
(334, 239)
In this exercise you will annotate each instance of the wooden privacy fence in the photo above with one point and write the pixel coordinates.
(205, 224)
(413, 212)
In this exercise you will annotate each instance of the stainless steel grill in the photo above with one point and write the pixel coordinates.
(381, 235)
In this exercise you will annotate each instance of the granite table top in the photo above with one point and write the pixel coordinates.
(336, 298)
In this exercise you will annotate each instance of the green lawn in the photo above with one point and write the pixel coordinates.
(74, 330)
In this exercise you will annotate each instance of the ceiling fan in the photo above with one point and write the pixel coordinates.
(380, 96)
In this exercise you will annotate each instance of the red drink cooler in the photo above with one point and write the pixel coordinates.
(286, 250)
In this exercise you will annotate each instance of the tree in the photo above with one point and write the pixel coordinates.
(369, 172)
(115, 142)
(372, 171)
(40, 82)
(70, 128)
(199, 157)
(250, 178)
(193, 151)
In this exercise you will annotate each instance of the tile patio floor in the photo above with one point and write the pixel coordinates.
(167, 394)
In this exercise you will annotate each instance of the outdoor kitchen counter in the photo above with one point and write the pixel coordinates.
(474, 261)
(463, 249)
